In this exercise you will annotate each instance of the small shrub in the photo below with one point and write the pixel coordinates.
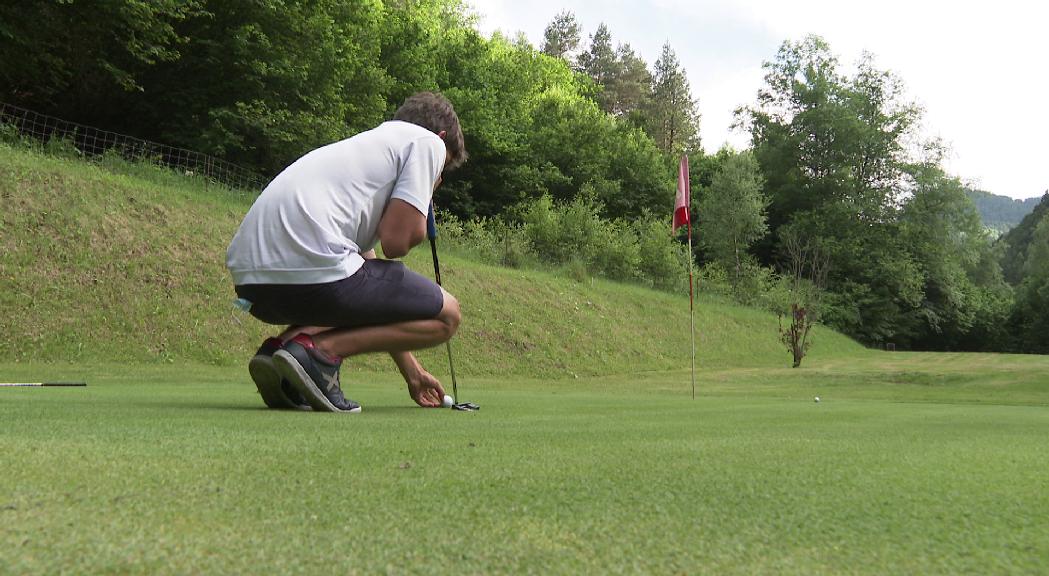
(616, 253)
(663, 261)
(9, 134)
(542, 227)
(712, 278)
(577, 270)
(513, 248)
(63, 147)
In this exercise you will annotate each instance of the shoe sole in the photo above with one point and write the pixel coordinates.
(267, 379)
(290, 368)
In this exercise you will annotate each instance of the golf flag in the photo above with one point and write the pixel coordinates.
(682, 204)
(683, 200)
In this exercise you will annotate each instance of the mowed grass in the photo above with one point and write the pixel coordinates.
(911, 464)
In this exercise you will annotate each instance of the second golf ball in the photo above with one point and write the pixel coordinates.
(448, 401)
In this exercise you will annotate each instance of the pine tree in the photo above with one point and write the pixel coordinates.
(600, 63)
(672, 118)
(632, 86)
(562, 35)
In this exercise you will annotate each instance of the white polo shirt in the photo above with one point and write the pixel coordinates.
(313, 221)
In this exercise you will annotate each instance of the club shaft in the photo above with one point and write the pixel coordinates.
(451, 368)
(448, 344)
(18, 384)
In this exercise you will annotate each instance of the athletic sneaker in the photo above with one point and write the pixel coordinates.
(314, 376)
(276, 392)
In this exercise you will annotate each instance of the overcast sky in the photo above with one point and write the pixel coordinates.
(979, 69)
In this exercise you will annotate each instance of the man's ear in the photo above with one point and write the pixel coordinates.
(442, 134)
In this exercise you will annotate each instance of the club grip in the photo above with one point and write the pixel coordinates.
(431, 224)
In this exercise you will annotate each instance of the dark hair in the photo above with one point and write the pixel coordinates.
(435, 113)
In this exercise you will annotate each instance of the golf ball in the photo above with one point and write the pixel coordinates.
(448, 401)
(817, 399)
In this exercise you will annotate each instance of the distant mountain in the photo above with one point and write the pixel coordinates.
(1001, 212)
(1018, 238)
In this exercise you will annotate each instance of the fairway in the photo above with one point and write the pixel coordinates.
(179, 469)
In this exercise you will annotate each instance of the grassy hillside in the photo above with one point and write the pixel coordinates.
(103, 267)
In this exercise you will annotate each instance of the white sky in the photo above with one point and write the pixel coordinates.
(980, 69)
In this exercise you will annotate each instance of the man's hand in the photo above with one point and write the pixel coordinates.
(425, 389)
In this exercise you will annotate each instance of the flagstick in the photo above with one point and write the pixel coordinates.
(691, 313)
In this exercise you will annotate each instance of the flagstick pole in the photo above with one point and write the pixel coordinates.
(691, 312)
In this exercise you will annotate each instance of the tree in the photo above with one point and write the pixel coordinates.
(599, 62)
(562, 35)
(671, 118)
(963, 293)
(831, 150)
(250, 61)
(807, 267)
(631, 88)
(73, 58)
(1017, 240)
(1029, 322)
(732, 212)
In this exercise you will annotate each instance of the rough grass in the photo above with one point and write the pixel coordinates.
(173, 470)
(101, 266)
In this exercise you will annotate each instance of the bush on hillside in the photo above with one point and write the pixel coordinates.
(489, 240)
(574, 237)
(664, 261)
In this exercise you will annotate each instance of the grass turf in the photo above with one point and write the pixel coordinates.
(162, 469)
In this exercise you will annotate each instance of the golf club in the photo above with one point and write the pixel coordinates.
(39, 384)
(431, 233)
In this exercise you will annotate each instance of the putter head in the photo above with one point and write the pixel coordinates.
(466, 407)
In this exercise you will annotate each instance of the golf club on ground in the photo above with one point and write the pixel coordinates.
(431, 233)
(39, 384)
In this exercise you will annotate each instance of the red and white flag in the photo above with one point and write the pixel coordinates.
(683, 200)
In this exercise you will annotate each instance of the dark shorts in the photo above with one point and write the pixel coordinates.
(381, 292)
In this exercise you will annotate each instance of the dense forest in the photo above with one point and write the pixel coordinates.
(832, 198)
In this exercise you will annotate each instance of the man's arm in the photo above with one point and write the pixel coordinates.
(402, 228)
(422, 386)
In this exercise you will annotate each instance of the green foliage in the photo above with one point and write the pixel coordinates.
(489, 240)
(62, 55)
(1029, 322)
(831, 149)
(575, 237)
(1015, 242)
(960, 277)
(561, 37)
(602, 65)
(261, 82)
(631, 88)
(9, 134)
(671, 116)
(732, 212)
(663, 263)
(256, 109)
(62, 147)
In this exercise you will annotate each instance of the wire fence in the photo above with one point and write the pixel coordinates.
(94, 144)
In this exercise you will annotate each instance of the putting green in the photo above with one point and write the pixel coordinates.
(178, 469)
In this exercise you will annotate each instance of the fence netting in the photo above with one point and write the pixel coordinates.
(93, 143)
